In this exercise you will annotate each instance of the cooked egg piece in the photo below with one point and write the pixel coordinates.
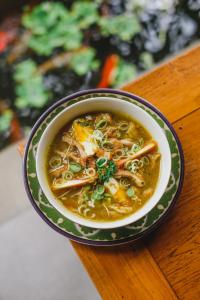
(119, 194)
(84, 135)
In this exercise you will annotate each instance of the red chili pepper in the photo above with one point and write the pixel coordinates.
(107, 71)
(5, 39)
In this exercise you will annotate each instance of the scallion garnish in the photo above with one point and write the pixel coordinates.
(130, 192)
(105, 169)
(75, 167)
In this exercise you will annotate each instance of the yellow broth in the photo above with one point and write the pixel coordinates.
(96, 168)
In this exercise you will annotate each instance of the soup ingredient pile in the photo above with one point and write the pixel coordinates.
(103, 166)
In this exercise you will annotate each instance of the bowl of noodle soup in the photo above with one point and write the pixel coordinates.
(103, 162)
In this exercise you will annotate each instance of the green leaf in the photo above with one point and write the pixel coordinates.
(84, 61)
(5, 120)
(85, 13)
(52, 26)
(100, 189)
(96, 197)
(29, 88)
(147, 60)
(25, 70)
(44, 17)
(123, 26)
(125, 72)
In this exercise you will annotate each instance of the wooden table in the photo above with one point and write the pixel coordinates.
(167, 264)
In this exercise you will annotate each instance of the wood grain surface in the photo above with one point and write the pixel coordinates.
(125, 273)
(176, 247)
(174, 87)
(167, 265)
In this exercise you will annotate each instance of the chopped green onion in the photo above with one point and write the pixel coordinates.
(101, 124)
(85, 196)
(101, 161)
(75, 167)
(96, 197)
(119, 152)
(67, 175)
(55, 161)
(133, 165)
(90, 172)
(145, 160)
(123, 126)
(135, 148)
(98, 135)
(128, 165)
(130, 192)
(107, 145)
(124, 182)
(100, 189)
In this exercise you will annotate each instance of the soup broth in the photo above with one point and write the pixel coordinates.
(103, 166)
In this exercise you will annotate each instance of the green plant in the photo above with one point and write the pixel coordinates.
(84, 61)
(123, 26)
(52, 26)
(5, 120)
(124, 73)
(29, 90)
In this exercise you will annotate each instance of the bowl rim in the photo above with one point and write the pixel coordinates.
(101, 102)
(99, 91)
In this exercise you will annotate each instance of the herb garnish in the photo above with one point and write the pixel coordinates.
(105, 171)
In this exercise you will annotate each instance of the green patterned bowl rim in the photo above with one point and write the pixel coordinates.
(102, 237)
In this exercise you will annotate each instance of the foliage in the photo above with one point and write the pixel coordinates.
(147, 60)
(29, 89)
(106, 171)
(84, 61)
(44, 17)
(85, 13)
(123, 26)
(52, 26)
(124, 73)
(5, 120)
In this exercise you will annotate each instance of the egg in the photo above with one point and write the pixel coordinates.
(117, 191)
(84, 135)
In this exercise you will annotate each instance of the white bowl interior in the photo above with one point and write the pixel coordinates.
(109, 105)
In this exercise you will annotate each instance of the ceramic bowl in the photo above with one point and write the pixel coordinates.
(113, 105)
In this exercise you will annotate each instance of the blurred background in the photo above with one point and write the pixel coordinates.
(49, 49)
